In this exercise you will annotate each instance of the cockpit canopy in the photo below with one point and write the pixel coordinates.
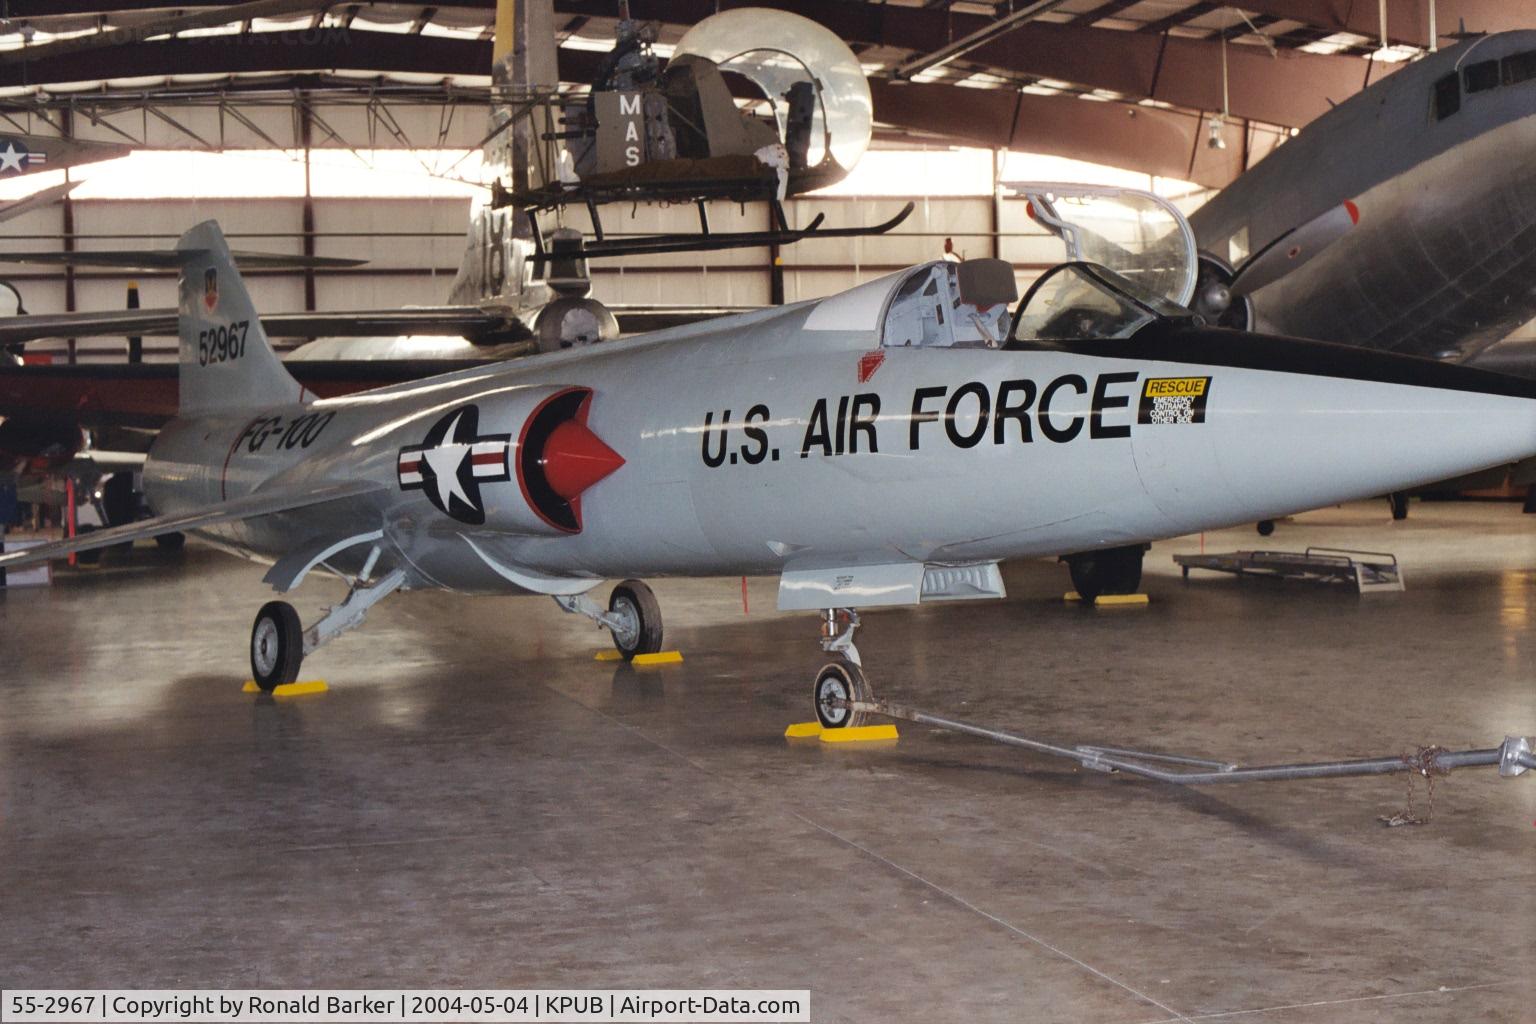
(970, 305)
(1084, 300)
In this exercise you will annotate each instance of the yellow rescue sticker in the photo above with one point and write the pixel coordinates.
(1176, 387)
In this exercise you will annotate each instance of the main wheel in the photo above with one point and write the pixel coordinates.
(120, 502)
(277, 645)
(171, 542)
(1399, 502)
(639, 615)
(840, 680)
(1265, 527)
(1110, 571)
(92, 557)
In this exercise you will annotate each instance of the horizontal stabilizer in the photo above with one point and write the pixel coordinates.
(170, 259)
(262, 503)
(466, 321)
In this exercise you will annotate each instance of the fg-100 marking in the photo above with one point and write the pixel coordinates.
(283, 434)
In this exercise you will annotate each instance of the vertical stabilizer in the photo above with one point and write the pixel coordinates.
(226, 360)
(526, 80)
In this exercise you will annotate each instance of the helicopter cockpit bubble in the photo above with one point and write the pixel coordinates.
(812, 80)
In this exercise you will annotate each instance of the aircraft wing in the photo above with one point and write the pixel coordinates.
(467, 321)
(37, 200)
(146, 395)
(169, 259)
(262, 503)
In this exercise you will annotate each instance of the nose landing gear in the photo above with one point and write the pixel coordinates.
(840, 683)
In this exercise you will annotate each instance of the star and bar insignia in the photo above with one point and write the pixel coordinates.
(453, 461)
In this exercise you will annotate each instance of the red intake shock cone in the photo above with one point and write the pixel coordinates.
(574, 459)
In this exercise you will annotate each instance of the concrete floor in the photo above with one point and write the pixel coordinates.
(479, 803)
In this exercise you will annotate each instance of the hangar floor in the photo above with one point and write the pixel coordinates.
(477, 802)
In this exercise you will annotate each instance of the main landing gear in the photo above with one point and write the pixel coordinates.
(633, 617)
(279, 643)
(1106, 571)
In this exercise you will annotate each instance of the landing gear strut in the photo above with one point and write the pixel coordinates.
(633, 617)
(842, 682)
(279, 643)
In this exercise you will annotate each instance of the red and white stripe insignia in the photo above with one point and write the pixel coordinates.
(410, 468)
(488, 459)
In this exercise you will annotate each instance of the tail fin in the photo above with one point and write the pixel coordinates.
(226, 360)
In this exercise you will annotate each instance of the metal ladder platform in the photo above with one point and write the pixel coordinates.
(1369, 571)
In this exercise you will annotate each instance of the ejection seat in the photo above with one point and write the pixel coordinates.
(944, 304)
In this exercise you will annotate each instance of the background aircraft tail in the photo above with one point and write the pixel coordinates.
(226, 360)
(500, 241)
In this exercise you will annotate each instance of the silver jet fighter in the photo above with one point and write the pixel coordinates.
(889, 444)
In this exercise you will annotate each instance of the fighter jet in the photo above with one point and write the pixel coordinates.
(1400, 220)
(887, 445)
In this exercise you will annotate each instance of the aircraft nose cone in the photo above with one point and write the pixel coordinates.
(575, 459)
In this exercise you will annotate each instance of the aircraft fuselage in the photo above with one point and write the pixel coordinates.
(756, 445)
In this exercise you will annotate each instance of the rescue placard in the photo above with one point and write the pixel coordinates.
(1174, 400)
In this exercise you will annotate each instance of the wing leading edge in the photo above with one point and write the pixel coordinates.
(262, 503)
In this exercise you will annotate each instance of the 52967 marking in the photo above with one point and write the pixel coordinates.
(222, 344)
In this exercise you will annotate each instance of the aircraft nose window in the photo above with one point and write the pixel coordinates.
(1520, 67)
(1447, 96)
(1481, 76)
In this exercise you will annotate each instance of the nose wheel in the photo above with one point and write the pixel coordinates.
(838, 684)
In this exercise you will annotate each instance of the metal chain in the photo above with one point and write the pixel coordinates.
(1423, 762)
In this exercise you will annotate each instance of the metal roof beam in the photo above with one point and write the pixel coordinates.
(178, 22)
(986, 34)
(321, 50)
(1290, 89)
(1407, 20)
(1167, 143)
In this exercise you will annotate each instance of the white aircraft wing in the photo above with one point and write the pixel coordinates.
(10, 211)
(262, 503)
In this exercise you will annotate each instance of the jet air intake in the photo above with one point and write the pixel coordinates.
(465, 464)
(559, 457)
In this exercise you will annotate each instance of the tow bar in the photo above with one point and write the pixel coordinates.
(1512, 757)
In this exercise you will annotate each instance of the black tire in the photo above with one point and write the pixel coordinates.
(843, 680)
(1530, 500)
(1110, 571)
(1399, 502)
(277, 645)
(171, 542)
(1265, 527)
(120, 504)
(637, 604)
(92, 557)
